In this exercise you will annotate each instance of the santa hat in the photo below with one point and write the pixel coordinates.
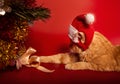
(81, 29)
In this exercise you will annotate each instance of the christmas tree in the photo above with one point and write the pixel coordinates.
(15, 18)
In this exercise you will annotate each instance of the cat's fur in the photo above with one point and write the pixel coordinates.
(100, 56)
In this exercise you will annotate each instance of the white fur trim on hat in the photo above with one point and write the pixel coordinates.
(89, 18)
(73, 34)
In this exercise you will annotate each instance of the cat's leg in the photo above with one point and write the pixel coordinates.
(86, 66)
(79, 66)
(90, 66)
(62, 58)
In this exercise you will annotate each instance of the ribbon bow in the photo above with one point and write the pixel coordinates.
(30, 61)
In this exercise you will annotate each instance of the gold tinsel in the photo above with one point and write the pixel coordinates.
(10, 51)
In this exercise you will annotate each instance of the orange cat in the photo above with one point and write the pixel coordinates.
(89, 49)
(100, 56)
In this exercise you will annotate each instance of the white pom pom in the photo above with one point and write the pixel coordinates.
(89, 18)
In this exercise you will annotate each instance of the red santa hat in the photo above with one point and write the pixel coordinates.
(81, 31)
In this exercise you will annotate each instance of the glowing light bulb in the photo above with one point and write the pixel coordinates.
(2, 12)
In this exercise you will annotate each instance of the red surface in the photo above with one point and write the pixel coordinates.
(51, 38)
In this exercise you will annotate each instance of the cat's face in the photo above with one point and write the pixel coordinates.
(76, 36)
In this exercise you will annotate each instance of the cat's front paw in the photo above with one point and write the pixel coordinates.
(69, 66)
(77, 66)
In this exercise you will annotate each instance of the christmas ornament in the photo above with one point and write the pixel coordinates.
(8, 9)
(3, 8)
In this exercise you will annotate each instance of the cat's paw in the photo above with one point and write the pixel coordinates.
(77, 66)
(69, 66)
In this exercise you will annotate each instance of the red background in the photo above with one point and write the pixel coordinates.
(50, 37)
